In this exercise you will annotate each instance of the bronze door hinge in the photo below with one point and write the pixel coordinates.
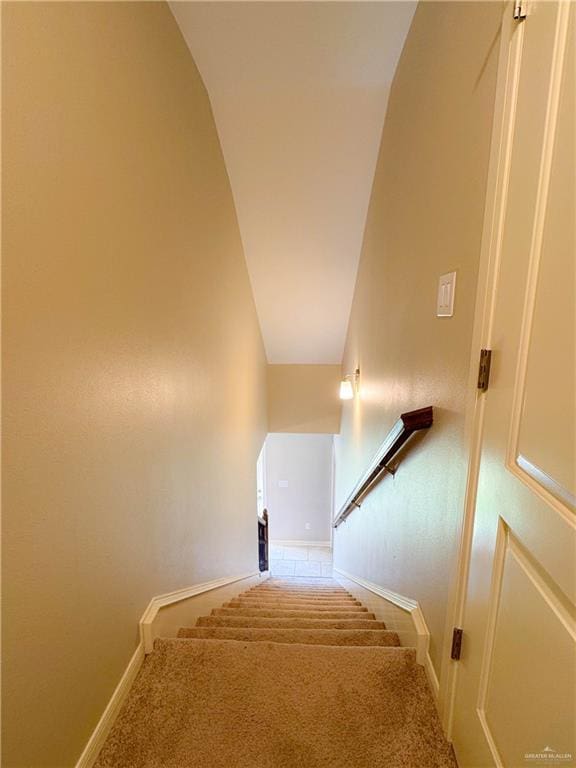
(484, 369)
(520, 12)
(456, 644)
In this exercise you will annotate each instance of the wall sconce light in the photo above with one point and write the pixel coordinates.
(349, 385)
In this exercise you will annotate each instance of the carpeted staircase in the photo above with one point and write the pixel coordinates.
(290, 674)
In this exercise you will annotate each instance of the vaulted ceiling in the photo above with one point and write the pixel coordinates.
(299, 93)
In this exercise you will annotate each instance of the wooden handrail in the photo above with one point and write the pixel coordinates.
(407, 424)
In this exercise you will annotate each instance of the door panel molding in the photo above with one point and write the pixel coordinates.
(542, 195)
(512, 560)
(555, 495)
(488, 652)
(556, 601)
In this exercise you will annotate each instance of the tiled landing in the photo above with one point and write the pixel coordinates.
(309, 561)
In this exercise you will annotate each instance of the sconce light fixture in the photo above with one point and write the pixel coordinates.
(349, 385)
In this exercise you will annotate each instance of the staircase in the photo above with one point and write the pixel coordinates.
(290, 674)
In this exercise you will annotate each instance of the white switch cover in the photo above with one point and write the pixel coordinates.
(446, 290)
(307, 526)
(282, 483)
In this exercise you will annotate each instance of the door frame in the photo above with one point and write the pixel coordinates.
(510, 49)
(261, 479)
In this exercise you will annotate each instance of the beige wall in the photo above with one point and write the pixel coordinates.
(304, 398)
(134, 372)
(299, 486)
(425, 219)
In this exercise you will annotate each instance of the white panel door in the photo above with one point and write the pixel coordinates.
(516, 680)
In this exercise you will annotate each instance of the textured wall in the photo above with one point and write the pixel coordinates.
(425, 219)
(134, 372)
(304, 398)
(305, 463)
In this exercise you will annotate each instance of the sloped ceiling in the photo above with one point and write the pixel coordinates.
(299, 92)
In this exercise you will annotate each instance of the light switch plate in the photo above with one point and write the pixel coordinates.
(282, 483)
(446, 291)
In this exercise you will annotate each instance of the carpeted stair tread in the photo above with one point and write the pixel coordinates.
(305, 604)
(227, 704)
(290, 614)
(313, 582)
(295, 606)
(294, 673)
(301, 589)
(317, 590)
(279, 602)
(283, 623)
(302, 595)
(302, 585)
(296, 598)
(307, 636)
(321, 581)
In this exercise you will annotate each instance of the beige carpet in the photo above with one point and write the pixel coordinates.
(291, 613)
(308, 636)
(290, 606)
(252, 621)
(314, 600)
(297, 604)
(280, 688)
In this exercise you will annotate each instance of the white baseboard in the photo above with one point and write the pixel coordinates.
(290, 543)
(96, 741)
(161, 601)
(424, 633)
(412, 608)
(146, 645)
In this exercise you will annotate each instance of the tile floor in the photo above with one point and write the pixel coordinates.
(289, 560)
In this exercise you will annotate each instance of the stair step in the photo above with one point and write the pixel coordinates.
(301, 581)
(289, 606)
(299, 587)
(306, 636)
(303, 588)
(283, 623)
(294, 614)
(302, 591)
(297, 598)
(221, 703)
(306, 604)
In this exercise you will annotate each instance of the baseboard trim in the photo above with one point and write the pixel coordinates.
(421, 628)
(146, 645)
(290, 543)
(160, 601)
(96, 741)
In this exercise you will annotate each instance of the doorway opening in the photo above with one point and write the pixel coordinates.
(298, 494)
